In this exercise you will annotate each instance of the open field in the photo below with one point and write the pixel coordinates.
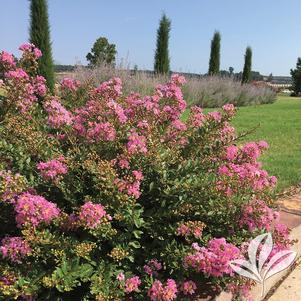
(280, 125)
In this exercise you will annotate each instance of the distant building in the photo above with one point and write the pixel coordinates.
(279, 81)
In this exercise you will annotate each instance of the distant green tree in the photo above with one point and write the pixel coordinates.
(231, 70)
(246, 74)
(296, 77)
(135, 69)
(161, 64)
(102, 52)
(214, 62)
(40, 37)
(270, 78)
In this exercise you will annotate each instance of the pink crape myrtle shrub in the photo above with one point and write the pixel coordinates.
(106, 196)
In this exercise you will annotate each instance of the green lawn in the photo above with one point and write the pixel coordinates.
(280, 125)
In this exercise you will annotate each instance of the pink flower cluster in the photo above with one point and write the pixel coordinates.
(31, 48)
(175, 133)
(194, 228)
(257, 215)
(120, 277)
(252, 150)
(213, 260)
(7, 59)
(70, 84)
(40, 85)
(249, 153)
(14, 248)
(152, 267)
(132, 284)
(52, 169)
(248, 174)
(92, 215)
(91, 122)
(159, 292)
(136, 143)
(229, 109)
(188, 287)
(281, 238)
(104, 131)
(197, 117)
(118, 110)
(215, 116)
(131, 187)
(110, 89)
(177, 79)
(172, 90)
(34, 209)
(23, 88)
(58, 116)
(17, 74)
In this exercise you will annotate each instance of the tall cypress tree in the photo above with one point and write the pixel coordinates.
(246, 74)
(40, 37)
(214, 62)
(161, 64)
(296, 78)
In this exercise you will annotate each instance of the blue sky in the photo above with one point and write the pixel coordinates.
(271, 27)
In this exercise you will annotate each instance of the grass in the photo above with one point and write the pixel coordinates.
(280, 125)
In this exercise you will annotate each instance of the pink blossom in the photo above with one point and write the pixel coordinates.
(58, 116)
(118, 111)
(213, 260)
(188, 287)
(70, 84)
(178, 79)
(183, 230)
(110, 89)
(31, 48)
(179, 125)
(91, 215)
(138, 175)
(101, 131)
(251, 150)
(34, 209)
(40, 85)
(7, 59)
(134, 189)
(120, 277)
(216, 116)
(123, 163)
(15, 248)
(231, 152)
(152, 267)
(136, 143)
(196, 117)
(132, 284)
(143, 124)
(263, 144)
(158, 292)
(19, 73)
(50, 170)
(256, 214)
(229, 109)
